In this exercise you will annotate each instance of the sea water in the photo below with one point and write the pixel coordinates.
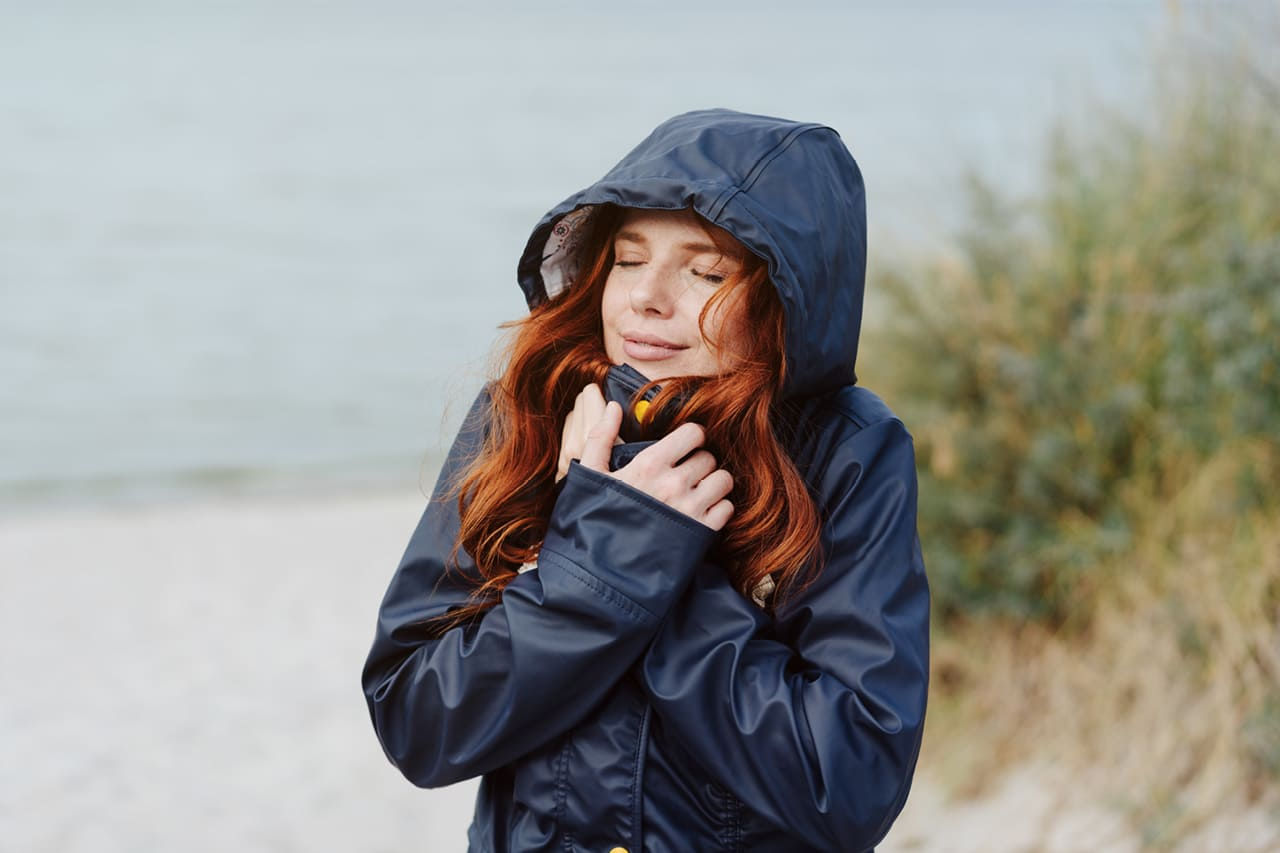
(268, 245)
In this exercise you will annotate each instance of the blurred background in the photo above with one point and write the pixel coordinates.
(253, 257)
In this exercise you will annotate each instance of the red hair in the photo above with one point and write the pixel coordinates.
(505, 497)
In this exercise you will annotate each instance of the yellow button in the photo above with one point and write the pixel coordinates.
(641, 409)
(623, 849)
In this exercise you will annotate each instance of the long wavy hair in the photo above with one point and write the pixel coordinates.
(506, 495)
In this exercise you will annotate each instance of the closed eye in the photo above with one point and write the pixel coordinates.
(709, 277)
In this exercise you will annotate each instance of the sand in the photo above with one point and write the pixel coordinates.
(187, 678)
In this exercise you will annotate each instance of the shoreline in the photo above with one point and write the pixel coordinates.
(218, 486)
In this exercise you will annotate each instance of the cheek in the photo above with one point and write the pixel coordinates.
(612, 306)
(612, 300)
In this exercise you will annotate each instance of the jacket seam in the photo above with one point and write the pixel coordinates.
(618, 599)
(637, 792)
(757, 168)
(859, 422)
(776, 151)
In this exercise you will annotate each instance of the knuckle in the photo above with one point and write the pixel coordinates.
(678, 489)
(668, 489)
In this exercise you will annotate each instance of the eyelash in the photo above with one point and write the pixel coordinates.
(708, 277)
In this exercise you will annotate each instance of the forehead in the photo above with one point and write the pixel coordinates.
(682, 226)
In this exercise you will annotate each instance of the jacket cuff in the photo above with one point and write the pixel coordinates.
(621, 542)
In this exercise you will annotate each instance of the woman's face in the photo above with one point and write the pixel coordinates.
(665, 268)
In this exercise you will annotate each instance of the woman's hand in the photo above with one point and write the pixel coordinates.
(693, 485)
(587, 410)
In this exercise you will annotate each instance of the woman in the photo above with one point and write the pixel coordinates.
(668, 593)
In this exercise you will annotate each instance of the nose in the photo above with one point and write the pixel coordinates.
(653, 292)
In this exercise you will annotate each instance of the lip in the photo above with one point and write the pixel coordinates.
(652, 340)
(644, 347)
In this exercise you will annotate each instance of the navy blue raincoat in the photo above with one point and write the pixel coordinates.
(623, 694)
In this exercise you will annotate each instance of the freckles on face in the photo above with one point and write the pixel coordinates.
(666, 268)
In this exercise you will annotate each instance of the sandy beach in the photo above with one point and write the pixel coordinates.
(187, 678)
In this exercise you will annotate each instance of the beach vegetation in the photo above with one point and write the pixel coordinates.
(1092, 376)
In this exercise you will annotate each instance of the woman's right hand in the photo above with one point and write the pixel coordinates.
(694, 485)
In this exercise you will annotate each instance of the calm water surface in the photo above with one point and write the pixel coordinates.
(266, 246)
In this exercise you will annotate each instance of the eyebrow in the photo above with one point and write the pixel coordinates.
(711, 248)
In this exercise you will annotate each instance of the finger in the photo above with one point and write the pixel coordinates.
(591, 400)
(718, 515)
(714, 487)
(588, 406)
(699, 464)
(570, 444)
(570, 428)
(595, 453)
(676, 445)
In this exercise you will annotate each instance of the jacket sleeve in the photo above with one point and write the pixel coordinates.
(813, 722)
(449, 705)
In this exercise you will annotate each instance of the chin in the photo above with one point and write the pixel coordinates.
(660, 372)
(648, 371)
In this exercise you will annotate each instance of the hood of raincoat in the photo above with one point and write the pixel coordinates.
(788, 191)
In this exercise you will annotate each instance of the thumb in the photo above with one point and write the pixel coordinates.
(599, 443)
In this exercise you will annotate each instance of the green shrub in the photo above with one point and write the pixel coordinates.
(1084, 354)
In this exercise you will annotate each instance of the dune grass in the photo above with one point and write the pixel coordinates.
(1093, 380)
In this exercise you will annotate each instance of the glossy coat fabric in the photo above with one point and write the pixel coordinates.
(623, 693)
